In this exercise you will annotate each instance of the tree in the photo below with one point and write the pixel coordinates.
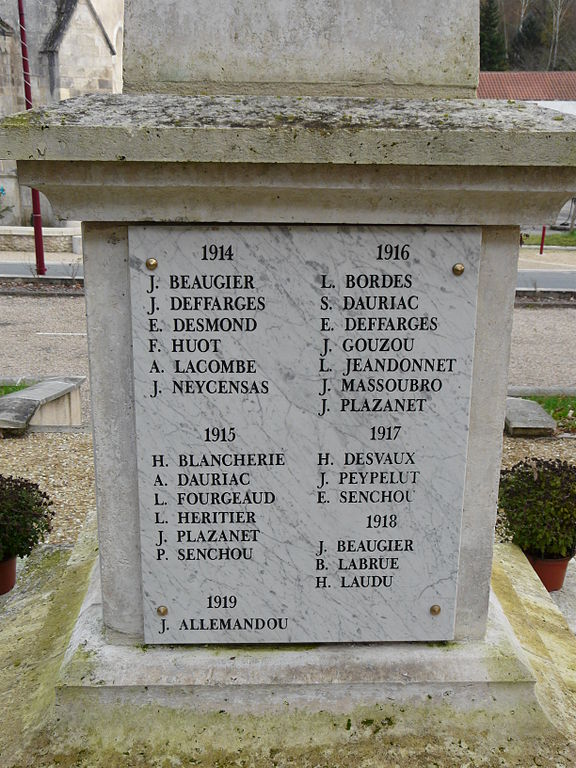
(559, 9)
(492, 45)
(527, 49)
(524, 6)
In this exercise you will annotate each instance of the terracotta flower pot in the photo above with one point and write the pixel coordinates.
(7, 575)
(551, 570)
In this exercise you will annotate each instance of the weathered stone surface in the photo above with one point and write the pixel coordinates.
(332, 130)
(307, 193)
(303, 46)
(49, 389)
(525, 418)
(90, 731)
(335, 677)
(15, 412)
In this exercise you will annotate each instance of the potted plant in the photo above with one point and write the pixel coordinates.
(538, 499)
(25, 518)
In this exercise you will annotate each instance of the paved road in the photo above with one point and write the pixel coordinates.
(53, 269)
(544, 280)
(555, 269)
(528, 279)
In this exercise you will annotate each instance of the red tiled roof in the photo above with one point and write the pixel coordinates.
(528, 86)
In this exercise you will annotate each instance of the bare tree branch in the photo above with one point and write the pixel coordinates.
(524, 6)
(559, 10)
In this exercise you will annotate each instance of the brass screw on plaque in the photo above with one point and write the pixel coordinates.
(435, 610)
(162, 610)
(458, 269)
(151, 263)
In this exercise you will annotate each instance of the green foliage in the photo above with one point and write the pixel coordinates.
(492, 43)
(562, 408)
(567, 239)
(538, 498)
(7, 389)
(25, 516)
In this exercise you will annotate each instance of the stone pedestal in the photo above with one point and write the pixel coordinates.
(303, 47)
(116, 162)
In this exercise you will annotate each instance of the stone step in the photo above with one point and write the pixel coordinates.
(526, 418)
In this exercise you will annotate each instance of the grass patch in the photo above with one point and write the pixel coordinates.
(7, 389)
(562, 408)
(567, 239)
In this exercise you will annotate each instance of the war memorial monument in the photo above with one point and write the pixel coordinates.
(300, 242)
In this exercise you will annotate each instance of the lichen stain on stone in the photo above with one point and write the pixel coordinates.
(37, 620)
(33, 118)
(548, 643)
(147, 112)
(19, 120)
(80, 667)
(366, 737)
(93, 733)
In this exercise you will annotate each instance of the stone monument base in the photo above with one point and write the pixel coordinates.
(73, 699)
(295, 700)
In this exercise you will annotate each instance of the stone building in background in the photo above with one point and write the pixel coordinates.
(75, 47)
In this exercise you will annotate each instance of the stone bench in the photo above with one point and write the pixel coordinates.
(50, 402)
(526, 418)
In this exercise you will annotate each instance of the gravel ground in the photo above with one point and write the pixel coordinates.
(62, 465)
(542, 355)
(36, 342)
(543, 347)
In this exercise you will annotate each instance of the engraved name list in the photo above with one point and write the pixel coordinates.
(302, 405)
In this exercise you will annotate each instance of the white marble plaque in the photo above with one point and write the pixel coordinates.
(302, 407)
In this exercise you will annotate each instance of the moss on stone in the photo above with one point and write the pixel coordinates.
(31, 118)
(370, 737)
(20, 120)
(80, 667)
(97, 731)
(37, 619)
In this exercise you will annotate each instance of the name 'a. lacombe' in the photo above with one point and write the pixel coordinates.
(215, 365)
